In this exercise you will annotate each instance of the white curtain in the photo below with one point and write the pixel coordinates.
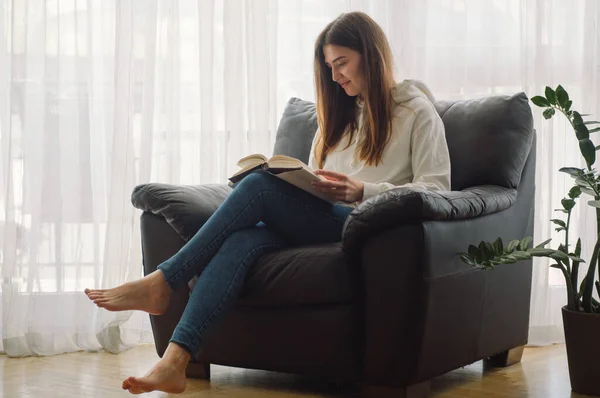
(97, 96)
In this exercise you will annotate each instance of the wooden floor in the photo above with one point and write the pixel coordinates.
(542, 373)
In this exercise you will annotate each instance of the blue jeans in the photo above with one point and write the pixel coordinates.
(262, 214)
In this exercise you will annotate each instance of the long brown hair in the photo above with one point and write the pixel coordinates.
(336, 111)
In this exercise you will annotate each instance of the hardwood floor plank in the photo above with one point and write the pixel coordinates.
(543, 373)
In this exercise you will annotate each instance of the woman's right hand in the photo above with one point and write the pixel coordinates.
(339, 186)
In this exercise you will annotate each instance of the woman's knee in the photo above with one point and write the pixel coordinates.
(257, 181)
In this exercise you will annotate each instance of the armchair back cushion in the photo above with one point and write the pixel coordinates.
(296, 130)
(488, 139)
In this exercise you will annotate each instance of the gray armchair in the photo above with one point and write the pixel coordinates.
(391, 306)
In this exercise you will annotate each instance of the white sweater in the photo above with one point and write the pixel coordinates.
(416, 155)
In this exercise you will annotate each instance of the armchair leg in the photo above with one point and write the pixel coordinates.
(420, 390)
(198, 370)
(506, 358)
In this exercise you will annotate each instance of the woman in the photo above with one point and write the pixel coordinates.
(373, 135)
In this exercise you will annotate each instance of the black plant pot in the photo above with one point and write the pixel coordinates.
(582, 335)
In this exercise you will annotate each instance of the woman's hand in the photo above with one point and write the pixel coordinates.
(339, 186)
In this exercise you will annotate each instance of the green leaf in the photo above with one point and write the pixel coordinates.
(550, 95)
(524, 244)
(558, 255)
(568, 104)
(508, 259)
(484, 254)
(548, 113)
(562, 210)
(568, 204)
(575, 268)
(521, 255)
(475, 253)
(589, 284)
(594, 203)
(544, 243)
(559, 222)
(467, 259)
(588, 191)
(540, 101)
(576, 258)
(578, 247)
(561, 96)
(582, 182)
(512, 245)
(575, 192)
(489, 250)
(498, 247)
(572, 171)
(588, 150)
(595, 130)
(559, 229)
(581, 130)
(556, 266)
(541, 252)
(592, 122)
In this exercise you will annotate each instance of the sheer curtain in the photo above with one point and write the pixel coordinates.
(97, 96)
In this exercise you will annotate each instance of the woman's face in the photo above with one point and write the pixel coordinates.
(345, 65)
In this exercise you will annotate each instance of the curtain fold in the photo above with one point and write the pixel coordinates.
(97, 96)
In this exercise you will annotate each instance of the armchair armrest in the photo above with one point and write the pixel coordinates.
(401, 205)
(185, 207)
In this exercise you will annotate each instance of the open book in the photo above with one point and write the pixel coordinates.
(287, 168)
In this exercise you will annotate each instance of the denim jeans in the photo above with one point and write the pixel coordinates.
(261, 214)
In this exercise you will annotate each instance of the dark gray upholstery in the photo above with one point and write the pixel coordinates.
(391, 305)
(402, 205)
(184, 207)
(316, 274)
(488, 138)
(296, 129)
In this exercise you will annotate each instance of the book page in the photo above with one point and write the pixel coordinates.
(282, 161)
(302, 179)
(251, 160)
(248, 163)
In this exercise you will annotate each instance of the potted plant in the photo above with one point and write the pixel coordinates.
(581, 315)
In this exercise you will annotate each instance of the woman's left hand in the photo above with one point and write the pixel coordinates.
(339, 186)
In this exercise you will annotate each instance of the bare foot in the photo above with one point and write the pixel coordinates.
(162, 377)
(168, 375)
(150, 294)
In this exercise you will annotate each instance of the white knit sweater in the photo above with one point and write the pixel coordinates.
(416, 155)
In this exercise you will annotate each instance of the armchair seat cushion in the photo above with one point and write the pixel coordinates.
(308, 275)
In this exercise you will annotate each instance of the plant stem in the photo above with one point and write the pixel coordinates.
(589, 278)
(571, 295)
(597, 231)
(575, 282)
(568, 263)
